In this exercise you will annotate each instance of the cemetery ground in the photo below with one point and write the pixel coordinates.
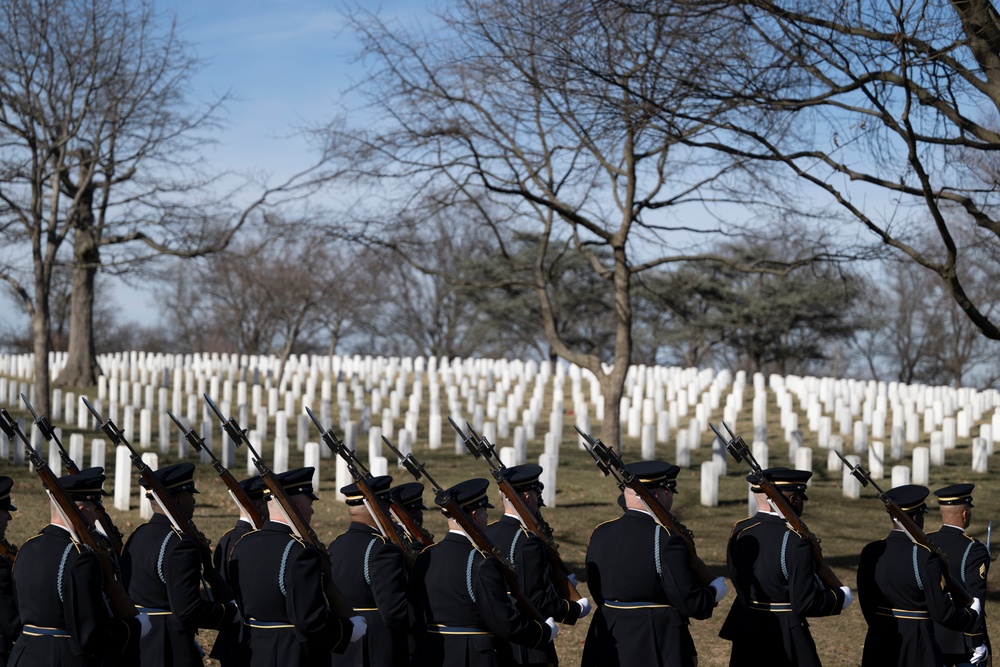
(586, 498)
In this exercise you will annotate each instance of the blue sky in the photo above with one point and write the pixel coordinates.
(284, 62)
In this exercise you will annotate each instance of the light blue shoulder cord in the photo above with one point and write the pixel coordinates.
(513, 544)
(468, 575)
(281, 570)
(916, 570)
(368, 554)
(784, 545)
(62, 568)
(159, 560)
(656, 549)
(965, 559)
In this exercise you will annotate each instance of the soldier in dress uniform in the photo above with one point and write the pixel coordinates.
(278, 581)
(459, 596)
(225, 649)
(410, 496)
(774, 573)
(371, 572)
(527, 553)
(162, 569)
(10, 621)
(60, 592)
(640, 577)
(968, 562)
(901, 595)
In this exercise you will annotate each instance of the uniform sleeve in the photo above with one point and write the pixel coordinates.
(389, 586)
(306, 604)
(87, 616)
(535, 573)
(866, 579)
(497, 608)
(809, 596)
(942, 610)
(593, 574)
(977, 568)
(182, 570)
(682, 588)
(10, 621)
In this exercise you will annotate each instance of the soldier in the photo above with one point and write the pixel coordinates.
(527, 554)
(60, 592)
(774, 573)
(10, 621)
(460, 597)
(225, 649)
(969, 562)
(410, 496)
(278, 580)
(162, 569)
(899, 588)
(371, 572)
(640, 576)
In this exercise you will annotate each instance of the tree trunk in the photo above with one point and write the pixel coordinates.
(81, 364)
(41, 343)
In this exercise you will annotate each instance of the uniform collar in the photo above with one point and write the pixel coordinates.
(277, 527)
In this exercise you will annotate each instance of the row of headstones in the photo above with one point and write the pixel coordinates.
(802, 459)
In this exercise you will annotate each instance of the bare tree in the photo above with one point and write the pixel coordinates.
(97, 157)
(522, 114)
(888, 110)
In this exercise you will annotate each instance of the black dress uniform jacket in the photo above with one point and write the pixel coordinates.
(279, 588)
(534, 574)
(901, 596)
(226, 648)
(774, 574)
(371, 573)
(968, 562)
(465, 617)
(60, 595)
(640, 577)
(10, 621)
(162, 571)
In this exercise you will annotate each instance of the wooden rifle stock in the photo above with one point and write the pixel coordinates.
(110, 531)
(121, 605)
(219, 588)
(609, 463)
(482, 543)
(238, 494)
(338, 603)
(481, 447)
(737, 447)
(7, 550)
(959, 595)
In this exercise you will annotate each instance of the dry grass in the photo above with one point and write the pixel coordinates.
(585, 498)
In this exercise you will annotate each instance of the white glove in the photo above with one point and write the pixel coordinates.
(585, 607)
(360, 627)
(979, 655)
(848, 597)
(572, 579)
(144, 625)
(719, 584)
(553, 627)
(976, 606)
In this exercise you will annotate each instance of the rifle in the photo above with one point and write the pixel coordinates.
(362, 476)
(338, 603)
(479, 539)
(185, 525)
(7, 550)
(739, 450)
(121, 606)
(480, 447)
(959, 595)
(111, 533)
(238, 494)
(609, 463)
